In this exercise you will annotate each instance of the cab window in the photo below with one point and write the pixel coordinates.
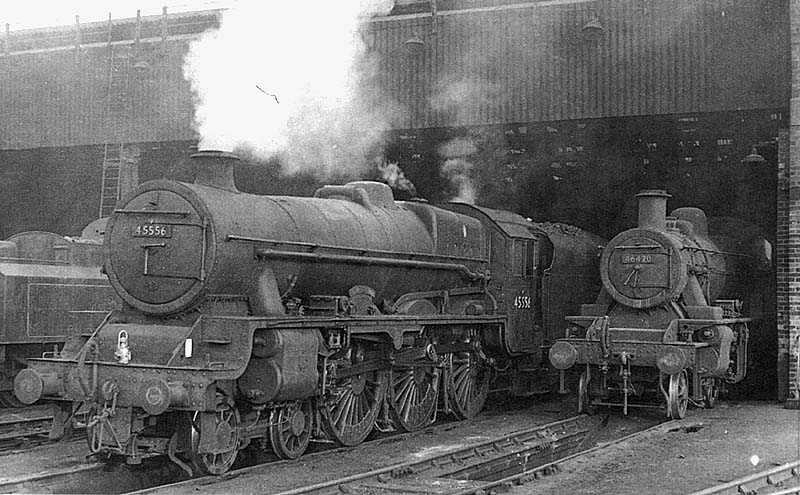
(518, 257)
(530, 258)
(523, 257)
(498, 248)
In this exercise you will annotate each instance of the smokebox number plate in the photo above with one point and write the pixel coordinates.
(152, 230)
(637, 259)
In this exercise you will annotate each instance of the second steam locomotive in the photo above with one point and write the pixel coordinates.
(53, 291)
(282, 319)
(660, 331)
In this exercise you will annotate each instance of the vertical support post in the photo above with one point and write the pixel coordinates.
(163, 23)
(77, 33)
(137, 33)
(789, 243)
(7, 47)
(783, 272)
(109, 28)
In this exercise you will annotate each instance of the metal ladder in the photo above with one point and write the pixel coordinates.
(117, 114)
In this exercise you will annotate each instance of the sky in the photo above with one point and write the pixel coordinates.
(48, 13)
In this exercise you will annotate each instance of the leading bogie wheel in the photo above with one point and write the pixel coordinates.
(467, 385)
(678, 395)
(584, 401)
(290, 429)
(412, 395)
(226, 430)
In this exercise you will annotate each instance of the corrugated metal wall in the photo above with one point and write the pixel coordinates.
(509, 64)
(532, 62)
(56, 98)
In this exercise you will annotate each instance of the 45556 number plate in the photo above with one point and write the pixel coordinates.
(152, 230)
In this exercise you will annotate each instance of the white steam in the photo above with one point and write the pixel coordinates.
(458, 169)
(396, 178)
(286, 80)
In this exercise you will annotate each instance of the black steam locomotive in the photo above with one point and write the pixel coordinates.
(52, 290)
(658, 332)
(290, 318)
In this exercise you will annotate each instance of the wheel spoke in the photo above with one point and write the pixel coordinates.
(468, 384)
(348, 414)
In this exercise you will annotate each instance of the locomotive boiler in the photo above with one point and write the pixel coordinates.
(660, 331)
(285, 319)
(53, 290)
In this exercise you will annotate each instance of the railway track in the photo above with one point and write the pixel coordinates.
(473, 469)
(780, 480)
(30, 431)
(24, 431)
(500, 461)
(485, 467)
(493, 467)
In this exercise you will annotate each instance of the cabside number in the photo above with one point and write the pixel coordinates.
(522, 302)
(152, 230)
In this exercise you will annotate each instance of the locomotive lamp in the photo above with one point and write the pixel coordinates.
(123, 353)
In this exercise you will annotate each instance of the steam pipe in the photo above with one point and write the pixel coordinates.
(367, 260)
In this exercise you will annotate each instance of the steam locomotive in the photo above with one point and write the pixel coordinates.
(53, 290)
(658, 333)
(286, 319)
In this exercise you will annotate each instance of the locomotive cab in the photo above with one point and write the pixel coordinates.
(540, 272)
(518, 255)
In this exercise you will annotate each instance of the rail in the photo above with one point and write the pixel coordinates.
(780, 480)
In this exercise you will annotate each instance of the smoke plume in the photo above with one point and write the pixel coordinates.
(289, 80)
(458, 169)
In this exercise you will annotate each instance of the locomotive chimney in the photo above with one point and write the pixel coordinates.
(653, 209)
(215, 169)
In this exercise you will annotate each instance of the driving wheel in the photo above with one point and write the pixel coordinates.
(412, 396)
(353, 402)
(467, 385)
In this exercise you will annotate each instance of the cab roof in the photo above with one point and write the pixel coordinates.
(511, 224)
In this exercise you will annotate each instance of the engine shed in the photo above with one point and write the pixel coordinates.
(567, 108)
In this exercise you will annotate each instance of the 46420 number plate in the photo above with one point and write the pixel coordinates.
(152, 230)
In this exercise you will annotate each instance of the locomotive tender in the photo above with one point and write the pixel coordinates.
(658, 332)
(52, 290)
(285, 319)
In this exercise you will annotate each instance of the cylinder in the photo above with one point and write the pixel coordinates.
(653, 209)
